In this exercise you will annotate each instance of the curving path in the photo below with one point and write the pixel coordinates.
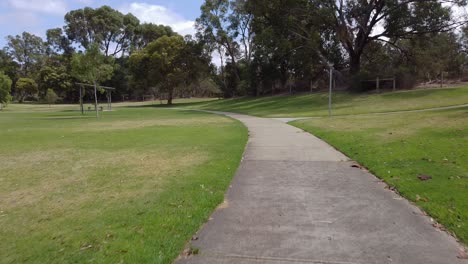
(295, 199)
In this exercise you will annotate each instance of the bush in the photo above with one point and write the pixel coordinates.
(358, 83)
(51, 97)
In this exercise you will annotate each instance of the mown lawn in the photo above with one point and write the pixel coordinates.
(400, 147)
(131, 187)
(316, 104)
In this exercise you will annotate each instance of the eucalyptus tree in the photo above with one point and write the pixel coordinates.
(146, 33)
(359, 23)
(162, 64)
(58, 43)
(214, 27)
(169, 64)
(109, 28)
(7, 65)
(226, 27)
(5, 90)
(28, 51)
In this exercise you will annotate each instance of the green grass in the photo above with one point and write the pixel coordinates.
(308, 105)
(400, 147)
(131, 187)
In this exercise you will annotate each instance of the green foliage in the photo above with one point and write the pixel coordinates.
(5, 89)
(294, 41)
(92, 66)
(56, 76)
(28, 50)
(148, 32)
(104, 26)
(8, 65)
(167, 64)
(57, 42)
(51, 97)
(26, 87)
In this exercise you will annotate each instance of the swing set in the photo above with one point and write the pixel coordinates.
(108, 90)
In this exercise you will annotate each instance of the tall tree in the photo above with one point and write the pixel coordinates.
(358, 23)
(8, 65)
(28, 50)
(58, 43)
(5, 90)
(148, 32)
(109, 28)
(167, 63)
(92, 67)
(215, 28)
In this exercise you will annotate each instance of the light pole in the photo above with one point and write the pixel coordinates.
(330, 92)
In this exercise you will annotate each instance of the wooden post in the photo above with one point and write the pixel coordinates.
(378, 84)
(81, 100)
(108, 100)
(441, 79)
(394, 83)
(95, 100)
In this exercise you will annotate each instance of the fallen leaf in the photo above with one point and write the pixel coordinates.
(439, 226)
(424, 177)
(85, 247)
(419, 198)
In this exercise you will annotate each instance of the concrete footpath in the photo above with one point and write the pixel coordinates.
(295, 199)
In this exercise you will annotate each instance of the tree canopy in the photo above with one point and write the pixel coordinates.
(242, 47)
(5, 89)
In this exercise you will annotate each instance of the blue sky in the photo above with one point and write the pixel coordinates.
(36, 16)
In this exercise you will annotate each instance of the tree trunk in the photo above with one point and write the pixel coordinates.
(170, 95)
(354, 64)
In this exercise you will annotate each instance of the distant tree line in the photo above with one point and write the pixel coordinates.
(272, 46)
(133, 60)
(263, 47)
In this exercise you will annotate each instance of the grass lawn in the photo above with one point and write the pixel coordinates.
(131, 187)
(343, 103)
(400, 147)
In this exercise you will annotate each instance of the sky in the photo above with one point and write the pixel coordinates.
(36, 16)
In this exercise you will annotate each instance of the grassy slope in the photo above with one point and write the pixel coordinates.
(131, 187)
(343, 103)
(399, 147)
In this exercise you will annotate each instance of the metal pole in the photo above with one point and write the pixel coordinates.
(330, 93)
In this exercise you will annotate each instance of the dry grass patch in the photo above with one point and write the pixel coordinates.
(130, 124)
(79, 176)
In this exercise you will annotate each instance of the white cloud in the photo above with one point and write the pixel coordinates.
(160, 15)
(86, 2)
(45, 6)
